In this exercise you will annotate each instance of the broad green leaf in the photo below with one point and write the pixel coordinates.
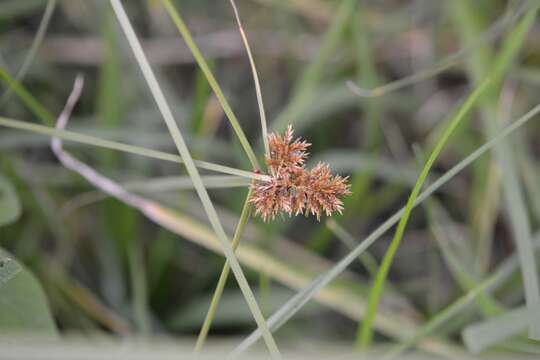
(8, 268)
(10, 207)
(23, 305)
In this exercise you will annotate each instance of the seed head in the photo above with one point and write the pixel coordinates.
(286, 154)
(292, 188)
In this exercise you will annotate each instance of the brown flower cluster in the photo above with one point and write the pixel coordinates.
(293, 189)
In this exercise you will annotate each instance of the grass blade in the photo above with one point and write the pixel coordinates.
(366, 259)
(194, 174)
(113, 145)
(173, 183)
(262, 113)
(155, 186)
(203, 333)
(513, 193)
(182, 28)
(287, 311)
(453, 309)
(480, 336)
(36, 43)
(446, 63)
(244, 216)
(305, 85)
(366, 332)
(33, 105)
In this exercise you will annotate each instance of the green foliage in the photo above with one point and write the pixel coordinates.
(24, 307)
(367, 83)
(10, 206)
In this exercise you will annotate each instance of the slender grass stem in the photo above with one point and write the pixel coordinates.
(366, 259)
(446, 63)
(446, 313)
(366, 331)
(291, 307)
(304, 88)
(36, 43)
(482, 64)
(264, 126)
(47, 118)
(246, 209)
(113, 145)
(203, 333)
(182, 28)
(208, 206)
(33, 105)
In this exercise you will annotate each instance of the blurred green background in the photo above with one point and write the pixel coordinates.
(94, 266)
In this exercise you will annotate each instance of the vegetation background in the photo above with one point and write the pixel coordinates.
(380, 89)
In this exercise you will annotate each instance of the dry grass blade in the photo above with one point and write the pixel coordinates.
(87, 172)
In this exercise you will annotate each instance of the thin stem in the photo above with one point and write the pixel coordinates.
(36, 43)
(366, 259)
(264, 126)
(447, 62)
(33, 105)
(451, 310)
(366, 331)
(244, 217)
(182, 28)
(113, 145)
(192, 171)
(47, 118)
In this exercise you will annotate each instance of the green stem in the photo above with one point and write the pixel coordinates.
(182, 28)
(365, 334)
(131, 149)
(244, 217)
(32, 52)
(33, 105)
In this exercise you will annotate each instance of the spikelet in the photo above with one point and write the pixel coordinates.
(286, 154)
(293, 189)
